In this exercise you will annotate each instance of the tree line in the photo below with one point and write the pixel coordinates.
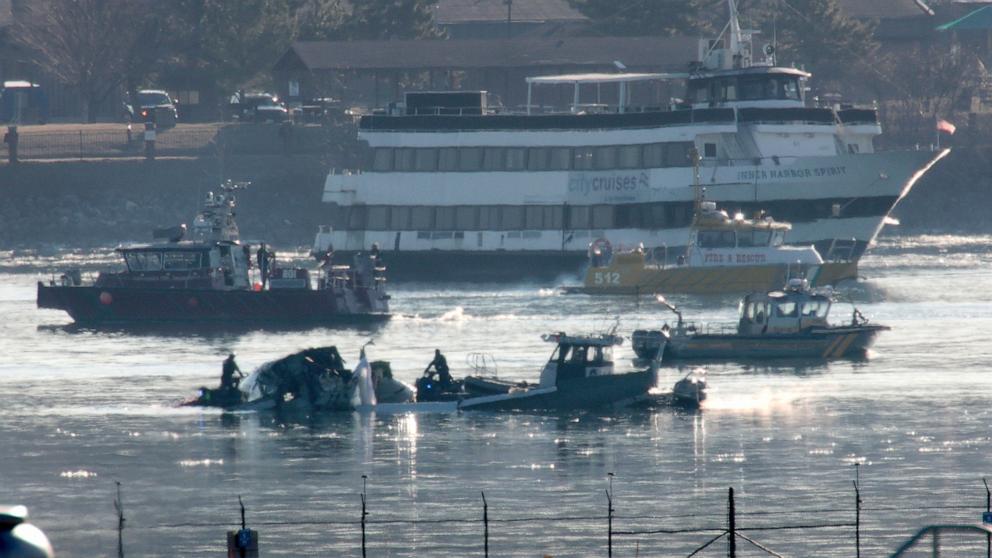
(103, 46)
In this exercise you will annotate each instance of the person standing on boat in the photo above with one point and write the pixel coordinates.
(262, 257)
(227, 380)
(440, 365)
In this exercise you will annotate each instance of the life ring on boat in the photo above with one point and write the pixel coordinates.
(600, 252)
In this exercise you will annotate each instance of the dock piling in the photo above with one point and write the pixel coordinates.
(365, 513)
(485, 524)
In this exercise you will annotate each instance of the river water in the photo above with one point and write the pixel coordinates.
(81, 410)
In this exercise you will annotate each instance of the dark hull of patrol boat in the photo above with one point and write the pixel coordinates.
(592, 392)
(831, 343)
(123, 305)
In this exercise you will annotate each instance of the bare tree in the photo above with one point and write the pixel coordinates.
(85, 43)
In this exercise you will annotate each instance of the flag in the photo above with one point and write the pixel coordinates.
(946, 127)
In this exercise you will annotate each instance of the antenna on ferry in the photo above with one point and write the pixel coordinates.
(735, 38)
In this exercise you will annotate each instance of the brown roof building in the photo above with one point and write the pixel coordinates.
(375, 72)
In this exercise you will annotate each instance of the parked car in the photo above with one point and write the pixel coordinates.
(153, 105)
(258, 107)
(23, 102)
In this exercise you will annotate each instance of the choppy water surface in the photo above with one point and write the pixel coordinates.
(81, 409)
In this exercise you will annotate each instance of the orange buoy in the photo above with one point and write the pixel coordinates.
(106, 298)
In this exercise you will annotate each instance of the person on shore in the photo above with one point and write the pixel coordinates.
(229, 369)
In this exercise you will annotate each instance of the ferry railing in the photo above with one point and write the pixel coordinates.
(935, 532)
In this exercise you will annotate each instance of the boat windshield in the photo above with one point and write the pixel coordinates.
(749, 239)
(815, 308)
(185, 261)
(143, 261)
(716, 239)
(745, 88)
(786, 309)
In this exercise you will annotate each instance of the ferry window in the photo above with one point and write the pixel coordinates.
(552, 217)
(654, 155)
(422, 218)
(489, 217)
(447, 159)
(466, 218)
(786, 310)
(399, 218)
(382, 159)
(583, 158)
(749, 311)
(513, 217)
(778, 237)
(728, 90)
(426, 160)
(516, 158)
(677, 154)
(356, 217)
(709, 150)
(560, 158)
(445, 218)
(534, 217)
(699, 91)
(751, 89)
(602, 217)
(469, 159)
(606, 157)
(790, 88)
(537, 159)
(378, 218)
(578, 217)
(629, 157)
(493, 159)
(403, 159)
(657, 218)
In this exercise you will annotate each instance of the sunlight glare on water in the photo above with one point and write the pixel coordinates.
(82, 408)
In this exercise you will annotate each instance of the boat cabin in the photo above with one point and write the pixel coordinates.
(183, 264)
(579, 356)
(757, 86)
(717, 239)
(789, 311)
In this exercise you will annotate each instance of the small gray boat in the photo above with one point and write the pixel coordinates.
(789, 323)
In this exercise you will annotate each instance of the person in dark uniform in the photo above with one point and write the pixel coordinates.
(227, 379)
(376, 257)
(262, 257)
(440, 365)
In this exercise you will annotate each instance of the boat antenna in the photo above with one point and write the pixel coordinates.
(672, 307)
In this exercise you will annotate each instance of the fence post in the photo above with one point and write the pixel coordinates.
(988, 508)
(857, 520)
(119, 506)
(150, 141)
(364, 512)
(609, 516)
(732, 526)
(485, 523)
(11, 138)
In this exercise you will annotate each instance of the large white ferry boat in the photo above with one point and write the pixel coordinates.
(449, 176)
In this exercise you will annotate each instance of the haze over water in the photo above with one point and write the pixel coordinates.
(81, 409)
